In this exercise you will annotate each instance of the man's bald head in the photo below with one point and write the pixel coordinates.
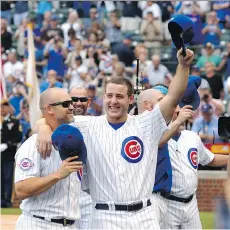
(78, 91)
(52, 95)
(156, 60)
(148, 99)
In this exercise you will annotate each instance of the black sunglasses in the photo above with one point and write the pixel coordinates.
(64, 104)
(81, 99)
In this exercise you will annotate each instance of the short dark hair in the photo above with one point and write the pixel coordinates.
(121, 81)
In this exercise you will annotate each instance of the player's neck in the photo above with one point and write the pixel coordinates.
(117, 120)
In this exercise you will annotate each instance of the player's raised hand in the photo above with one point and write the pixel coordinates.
(187, 60)
(68, 166)
(185, 113)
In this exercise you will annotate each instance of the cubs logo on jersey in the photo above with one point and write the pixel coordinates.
(79, 174)
(192, 157)
(132, 149)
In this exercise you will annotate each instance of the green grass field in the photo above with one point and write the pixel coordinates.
(207, 218)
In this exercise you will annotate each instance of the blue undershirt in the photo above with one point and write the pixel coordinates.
(116, 126)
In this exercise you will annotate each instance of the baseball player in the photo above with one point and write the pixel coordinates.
(122, 152)
(178, 215)
(186, 151)
(81, 101)
(49, 188)
(163, 178)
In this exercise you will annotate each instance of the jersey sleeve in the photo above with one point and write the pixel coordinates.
(153, 124)
(27, 161)
(205, 156)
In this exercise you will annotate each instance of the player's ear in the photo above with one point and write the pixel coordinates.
(89, 101)
(131, 99)
(148, 106)
(49, 110)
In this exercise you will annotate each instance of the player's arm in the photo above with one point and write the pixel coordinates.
(36, 185)
(208, 158)
(177, 86)
(184, 114)
(219, 160)
(43, 143)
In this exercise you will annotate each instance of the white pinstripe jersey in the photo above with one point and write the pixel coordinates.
(185, 155)
(121, 163)
(59, 201)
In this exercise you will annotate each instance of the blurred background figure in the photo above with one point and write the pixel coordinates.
(11, 135)
(51, 81)
(206, 126)
(95, 106)
(24, 118)
(157, 72)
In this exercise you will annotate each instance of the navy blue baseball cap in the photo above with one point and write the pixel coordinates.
(128, 36)
(181, 29)
(69, 141)
(191, 95)
(54, 17)
(207, 108)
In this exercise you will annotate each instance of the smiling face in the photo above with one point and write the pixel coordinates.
(80, 106)
(52, 107)
(61, 114)
(116, 102)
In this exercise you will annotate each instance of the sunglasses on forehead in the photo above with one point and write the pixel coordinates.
(64, 104)
(81, 99)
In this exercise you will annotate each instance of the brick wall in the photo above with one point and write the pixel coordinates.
(211, 186)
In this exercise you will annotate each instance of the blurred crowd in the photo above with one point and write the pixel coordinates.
(87, 43)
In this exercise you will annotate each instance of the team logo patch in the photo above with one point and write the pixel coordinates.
(79, 174)
(132, 149)
(26, 164)
(192, 157)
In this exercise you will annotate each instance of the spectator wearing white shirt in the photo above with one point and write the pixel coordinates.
(72, 22)
(228, 84)
(157, 72)
(78, 75)
(144, 63)
(13, 67)
(150, 6)
(77, 51)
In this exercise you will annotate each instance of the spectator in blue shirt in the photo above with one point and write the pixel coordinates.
(51, 81)
(206, 126)
(211, 30)
(21, 12)
(19, 92)
(56, 53)
(24, 118)
(43, 6)
(222, 9)
(36, 34)
(95, 106)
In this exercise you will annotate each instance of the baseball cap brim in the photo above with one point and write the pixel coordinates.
(194, 101)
